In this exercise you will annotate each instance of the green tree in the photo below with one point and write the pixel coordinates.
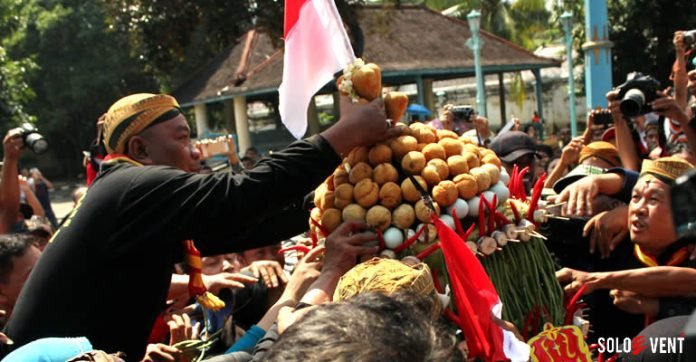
(15, 92)
(82, 69)
(642, 33)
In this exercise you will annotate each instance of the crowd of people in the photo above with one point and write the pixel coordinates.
(156, 239)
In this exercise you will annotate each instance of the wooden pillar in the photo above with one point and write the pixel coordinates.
(242, 123)
(538, 88)
(420, 89)
(428, 96)
(201, 112)
(313, 118)
(228, 113)
(501, 95)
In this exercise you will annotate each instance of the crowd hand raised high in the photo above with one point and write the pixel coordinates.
(270, 271)
(346, 244)
(12, 145)
(678, 41)
(360, 125)
(481, 125)
(631, 302)
(666, 105)
(614, 106)
(607, 229)
(571, 151)
(578, 197)
(215, 283)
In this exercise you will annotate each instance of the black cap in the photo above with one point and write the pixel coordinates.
(512, 145)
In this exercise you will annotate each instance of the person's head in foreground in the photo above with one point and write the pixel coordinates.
(150, 129)
(18, 255)
(649, 213)
(368, 327)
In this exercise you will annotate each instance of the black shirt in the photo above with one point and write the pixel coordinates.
(106, 273)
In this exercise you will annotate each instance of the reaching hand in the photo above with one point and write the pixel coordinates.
(180, 328)
(160, 352)
(572, 280)
(214, 283)
(667, 106)
(270, 270)
(346, 244)
(579, 196)
(631, 302)
(306, 272)
(607, 230)
(360, 125)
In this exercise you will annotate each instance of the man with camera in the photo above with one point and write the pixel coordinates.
(106, 273)
(9, 185)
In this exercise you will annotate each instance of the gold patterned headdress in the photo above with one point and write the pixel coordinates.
(666, 168)
(132, 114)
(387, 276)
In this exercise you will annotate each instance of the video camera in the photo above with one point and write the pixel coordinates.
(463, 113)
(32, 138)
(637, 94)
(683, 197)
(690, 38)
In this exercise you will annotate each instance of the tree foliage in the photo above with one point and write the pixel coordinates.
(642, 33)
(82, 69)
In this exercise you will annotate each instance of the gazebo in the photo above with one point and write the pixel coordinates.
(411, 44)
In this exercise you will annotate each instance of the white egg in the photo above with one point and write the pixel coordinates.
(461, 207)
(502, 191)
(448, 220)
(504, 176)
(393, 237)
(488, 195)
(474, 206)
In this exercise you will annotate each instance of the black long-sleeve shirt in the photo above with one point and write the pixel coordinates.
(106, 273)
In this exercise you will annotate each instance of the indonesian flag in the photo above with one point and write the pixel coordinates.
(316, 47)
(476, 300)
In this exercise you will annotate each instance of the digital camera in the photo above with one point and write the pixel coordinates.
(463, 113)
(637, 94)
(32, 138)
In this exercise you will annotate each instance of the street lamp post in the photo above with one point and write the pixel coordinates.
(566, 19)
(475, 43)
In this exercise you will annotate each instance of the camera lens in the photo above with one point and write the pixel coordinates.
(36, 142)
(632, 102)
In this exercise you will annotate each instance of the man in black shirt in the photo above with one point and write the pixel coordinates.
(106, 273)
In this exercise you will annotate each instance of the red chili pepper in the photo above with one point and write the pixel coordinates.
(468, 232)
(380, 238)
(427, 251)
(407, 244)
(301, 248)
(503, 220)
(515, 212)
(457, 224)
(573, 306)
(512, 185)
(536, 195)
(520, 185)
(319, 226)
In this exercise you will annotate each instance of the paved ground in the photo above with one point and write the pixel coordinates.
(61, 198)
